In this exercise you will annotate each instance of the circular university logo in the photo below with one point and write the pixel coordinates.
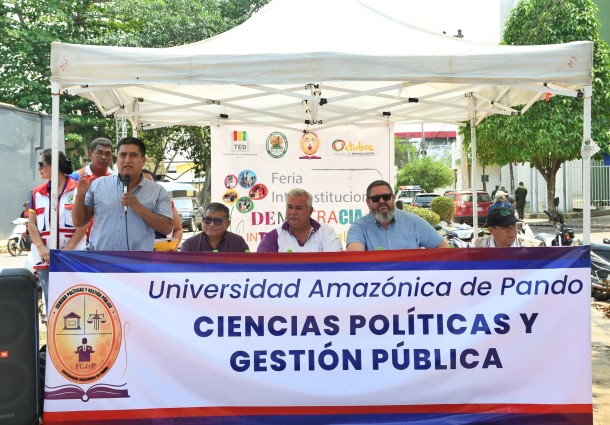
(277, 145)
(84, 334)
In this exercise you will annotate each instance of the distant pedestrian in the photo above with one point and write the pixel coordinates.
(520, 195)
(493, 193)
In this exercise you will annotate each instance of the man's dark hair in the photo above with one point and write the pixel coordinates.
(150, 173)
(132, 141)
(101, 141)
(378, 183)
(217, 207)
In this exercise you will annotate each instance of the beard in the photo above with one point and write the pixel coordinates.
(386, 216)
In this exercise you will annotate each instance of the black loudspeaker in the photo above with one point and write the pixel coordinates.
(19, 364)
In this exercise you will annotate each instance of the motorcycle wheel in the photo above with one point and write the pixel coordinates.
(599, 296)
(14, 247)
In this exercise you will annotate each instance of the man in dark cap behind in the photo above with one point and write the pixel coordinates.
(502, 224)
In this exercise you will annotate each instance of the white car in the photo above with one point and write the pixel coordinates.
(406, 194)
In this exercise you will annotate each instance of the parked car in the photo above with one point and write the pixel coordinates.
(407, 193)
(190, 212)
(422, 200)
(463, 201)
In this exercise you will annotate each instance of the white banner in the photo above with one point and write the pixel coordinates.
(492, 331)
(254, 166)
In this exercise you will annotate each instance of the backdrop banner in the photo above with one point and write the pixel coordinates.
(254, 166)
(494, 336)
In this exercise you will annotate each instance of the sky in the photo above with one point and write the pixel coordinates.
(481, 21)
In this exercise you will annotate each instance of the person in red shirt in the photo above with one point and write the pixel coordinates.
(100, 155)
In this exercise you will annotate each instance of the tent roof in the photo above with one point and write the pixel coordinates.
(330, 62)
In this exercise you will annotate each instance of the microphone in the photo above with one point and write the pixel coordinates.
(126, 180)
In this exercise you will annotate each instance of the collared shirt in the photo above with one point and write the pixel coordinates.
(322, 238)
(230, 242)
(87, 171)
(115, 230)
(406, 231)
(489, 242)
(520, 241)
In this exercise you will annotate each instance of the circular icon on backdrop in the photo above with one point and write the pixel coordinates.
(230, 197)
(258, 191)
(244, 204)
(310, 143)
(338, 145)
(277, 144)
(84, 334)
(247, 178)
(230, 181)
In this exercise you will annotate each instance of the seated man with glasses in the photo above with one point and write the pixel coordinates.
(385, 227)
(215, 236)
(502, 224)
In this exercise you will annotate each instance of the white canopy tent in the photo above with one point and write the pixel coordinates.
(324, 63)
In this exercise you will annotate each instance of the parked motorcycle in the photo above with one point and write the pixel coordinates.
(458, 237)
(20, 239)
(564, 235)
(600, 270)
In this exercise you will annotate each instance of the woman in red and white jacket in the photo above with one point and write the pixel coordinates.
(39, 225)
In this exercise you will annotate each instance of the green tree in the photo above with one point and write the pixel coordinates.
(193, 142)
(425, 172)
(549, 133)
(27, 28)
(404, 152)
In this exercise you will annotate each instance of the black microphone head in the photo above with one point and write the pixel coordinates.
(126, 179)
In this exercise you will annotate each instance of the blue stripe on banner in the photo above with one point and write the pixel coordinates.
(363, 419)
(447, 259)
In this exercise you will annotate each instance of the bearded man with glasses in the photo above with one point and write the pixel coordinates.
(215, 236)
(385, 227)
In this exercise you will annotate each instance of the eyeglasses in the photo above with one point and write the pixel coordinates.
(217, 221)
(386, 197)
(41, 164)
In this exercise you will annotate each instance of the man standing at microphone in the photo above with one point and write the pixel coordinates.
(127, 207)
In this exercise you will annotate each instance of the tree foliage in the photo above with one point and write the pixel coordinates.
(27, 28)
(428, 215)
(404, 152)
(425, 172)
(550, 132)
(192, 142)
(444, 207)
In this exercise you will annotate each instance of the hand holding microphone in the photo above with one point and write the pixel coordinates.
(126, 181)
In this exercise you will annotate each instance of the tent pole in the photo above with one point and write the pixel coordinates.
(55, 162)
(136, 109)
(586, 168)
(472, 103)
